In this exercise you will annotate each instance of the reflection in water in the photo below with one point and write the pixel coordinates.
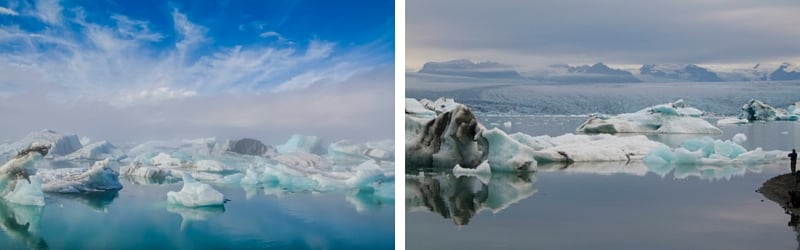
(98, 201)
(461, 197)
(368, 200)
(189, 214)
(782, 189)
(21, 223)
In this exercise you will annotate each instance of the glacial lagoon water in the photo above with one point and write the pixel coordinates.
(138, 217)
(604, 206)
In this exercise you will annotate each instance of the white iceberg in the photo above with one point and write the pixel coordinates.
(149, 173)
(755, 110)
(669, 118)
(60, 145)
(303, 159)
(16, 183)
(99, 177)
(27, 193)
(707, 151)
(195, 194)
(346, 152)
(507, 154)
(300, 143)
(95, 151)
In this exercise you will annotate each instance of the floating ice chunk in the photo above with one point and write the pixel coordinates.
(707, 151)
(96, 151)
(669, 118)
(248, 146)
(149, 173)
(345, 152)
(507, 124)
(209, 166)
(300, 143)
(441, 105)
(60, 145)
(739, 139)
(25, 193)
(166, 160)
(595, 148)
(195, 194)
(506, 154)
(368, 175)
(303, 159)
(755, 110)
(731, 120)
(415, 109)
(452, 138)
(74, 180)
(17, 184)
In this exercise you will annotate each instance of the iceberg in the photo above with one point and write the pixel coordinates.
(711, 152)
(195, 194)
(27, 193)
(149, 174)
(98, 178)
(300, 143)
(455, 138)
(756, 110)
(95, 151)
(59, 144)
(668, 118)
(248, 146)
(17, 185)
(345, 152)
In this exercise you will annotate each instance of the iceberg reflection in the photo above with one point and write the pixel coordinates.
(21, 223)
(462, 197)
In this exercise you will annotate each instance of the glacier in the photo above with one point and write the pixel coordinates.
(674, 117)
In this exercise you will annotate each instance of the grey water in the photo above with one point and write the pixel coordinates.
(138, 217)
(602, 206)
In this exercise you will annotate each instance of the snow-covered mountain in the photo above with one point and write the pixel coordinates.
(690, 72)
(598, 72)
(467, 68)
(785, 72)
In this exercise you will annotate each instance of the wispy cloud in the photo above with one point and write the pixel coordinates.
(127, 74)
(7, 11)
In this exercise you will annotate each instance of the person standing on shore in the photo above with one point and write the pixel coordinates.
(793, 157)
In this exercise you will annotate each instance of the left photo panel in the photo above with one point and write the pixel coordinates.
(197, 124)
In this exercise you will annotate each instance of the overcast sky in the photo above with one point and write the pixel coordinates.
(122, 70)
(538, 33)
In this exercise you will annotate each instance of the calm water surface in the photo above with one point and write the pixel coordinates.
(138, 217)
(604, 205)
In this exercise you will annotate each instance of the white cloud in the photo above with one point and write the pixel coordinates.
(7, 11)
(49, 11)
(110, 78)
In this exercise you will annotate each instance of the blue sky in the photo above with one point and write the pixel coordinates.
(127, 57)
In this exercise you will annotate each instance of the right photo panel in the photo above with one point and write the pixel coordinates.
(602, 124)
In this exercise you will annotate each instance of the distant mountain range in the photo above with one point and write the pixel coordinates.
(600, 73)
